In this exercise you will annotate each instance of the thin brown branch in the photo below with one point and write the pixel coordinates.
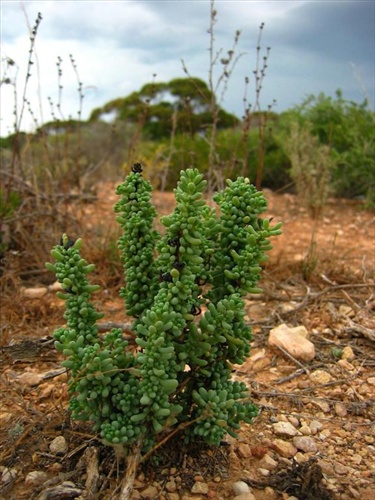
(169, 436)
(369, 333)
(286, 353)
(292, 376)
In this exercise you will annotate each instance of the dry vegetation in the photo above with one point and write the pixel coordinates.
(314, 438)
(320, 275)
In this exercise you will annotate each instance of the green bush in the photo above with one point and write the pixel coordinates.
(236, 156)
(346, 128)
(185, 289)
(311, 168)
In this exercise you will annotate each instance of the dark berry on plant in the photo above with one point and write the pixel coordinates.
(137, 168)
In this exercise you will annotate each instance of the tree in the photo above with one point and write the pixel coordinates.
(155, 104)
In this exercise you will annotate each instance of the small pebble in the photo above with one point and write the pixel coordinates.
(340, 409)
(284, 448)
(323, 405)
(244, 450)
(55, 468)
(58, 446)
(8, 475)
(200, 487)
(324, 434)
(30, 378)
(341, 469)
(284, 429)
(240, 487)
(300, 457)
(306, 444)
(345, 310)
(354, 492)
(263, 472)
(35, 293)
(55, 287)
(173, 496)
(170, 486)
(305, 430)
(294, 421)
(345, 365)
(357, 459)
(35, 477)
(327, 467)
(150, 492)
(347, 353)
(270, 493)
(315, 426)
(268, 462)
(320, 377)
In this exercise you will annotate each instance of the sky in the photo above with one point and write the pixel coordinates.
(118, 46)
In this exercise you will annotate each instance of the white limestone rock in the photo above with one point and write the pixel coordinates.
(293, 341)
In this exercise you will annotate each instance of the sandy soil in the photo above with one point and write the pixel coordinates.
(319, 275)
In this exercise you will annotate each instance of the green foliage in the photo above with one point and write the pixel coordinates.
(69, 155)
(59, 126)
(186, 152)
(276, 172)
(238, 157)
(6, 142)
(311, 168)
(156, 103)
(336, 352)
(347, 129)
(71, 151)
(9, 202)
(185, 289)
(137, 243)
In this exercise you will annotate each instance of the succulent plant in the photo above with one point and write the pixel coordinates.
(185, 289)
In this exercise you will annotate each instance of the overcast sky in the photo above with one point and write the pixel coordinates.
(316, 46)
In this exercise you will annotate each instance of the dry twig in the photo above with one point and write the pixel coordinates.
(286, 353)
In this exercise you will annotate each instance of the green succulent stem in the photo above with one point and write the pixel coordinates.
(185, 287)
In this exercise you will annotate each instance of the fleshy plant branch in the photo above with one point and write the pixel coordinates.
(185, 289)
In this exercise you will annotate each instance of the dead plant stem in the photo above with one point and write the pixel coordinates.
(286, 353)
(133, 461)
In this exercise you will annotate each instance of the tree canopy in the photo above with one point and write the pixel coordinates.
(183, 103)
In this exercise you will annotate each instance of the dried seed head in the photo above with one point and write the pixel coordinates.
(137, 168)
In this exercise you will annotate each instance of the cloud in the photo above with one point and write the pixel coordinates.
(119, 45)
(343, 32)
